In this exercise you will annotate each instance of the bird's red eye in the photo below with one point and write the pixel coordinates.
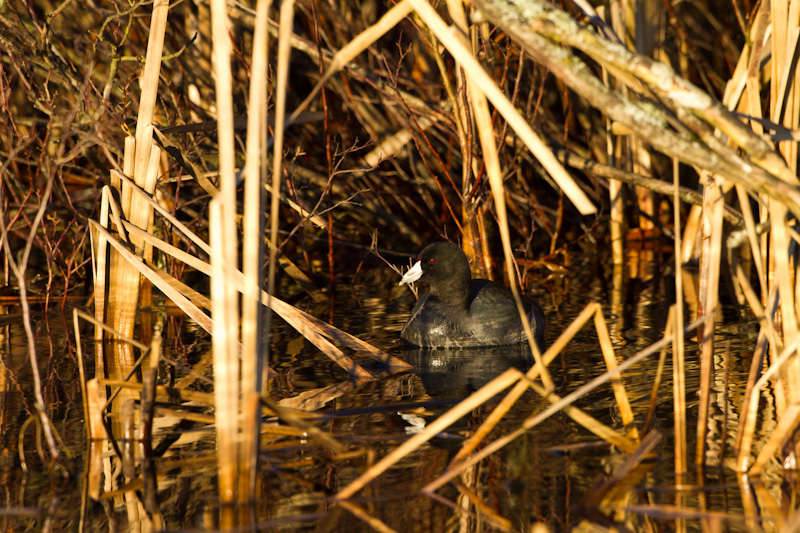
(432, 260)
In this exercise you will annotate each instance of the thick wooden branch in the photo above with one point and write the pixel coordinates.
(543, 30)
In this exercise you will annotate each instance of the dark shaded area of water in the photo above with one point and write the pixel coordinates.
(547, 475)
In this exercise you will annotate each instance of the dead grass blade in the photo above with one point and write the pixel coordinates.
(624, 443)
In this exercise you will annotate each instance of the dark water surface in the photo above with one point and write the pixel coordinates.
(548, 475)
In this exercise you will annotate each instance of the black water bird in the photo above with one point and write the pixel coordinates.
(458, 311)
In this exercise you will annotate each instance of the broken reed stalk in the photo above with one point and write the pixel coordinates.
(621, 396)
(519, 389)
(140, 162)
(710, 258)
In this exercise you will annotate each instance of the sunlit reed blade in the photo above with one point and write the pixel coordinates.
(198, 316)
(621, 396)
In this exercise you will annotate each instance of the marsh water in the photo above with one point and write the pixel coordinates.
(548, 475)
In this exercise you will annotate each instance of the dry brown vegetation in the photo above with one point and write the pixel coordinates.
(146, 144)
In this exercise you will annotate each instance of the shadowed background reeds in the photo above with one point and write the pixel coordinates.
(155, 145)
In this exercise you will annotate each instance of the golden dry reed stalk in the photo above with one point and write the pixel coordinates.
(281, 85)
(710, 259)
(226, 361)
(138, 164)
(82, 368)
(253, 355)
(224, 261)
(678, 348)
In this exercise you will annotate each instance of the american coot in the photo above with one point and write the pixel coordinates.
(459, 311)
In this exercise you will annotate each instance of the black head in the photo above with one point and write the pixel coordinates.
(444, 268)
